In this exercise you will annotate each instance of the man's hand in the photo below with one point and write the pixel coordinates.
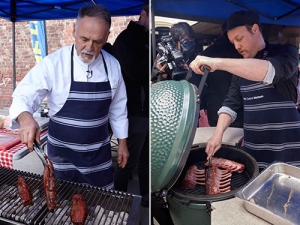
(213, 145)
(29, 129)
(161, 66)
(197, 65)
(123, 153)
(215, 142)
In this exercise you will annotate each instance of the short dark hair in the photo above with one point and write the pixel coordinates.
(99, 11)
(180, 30)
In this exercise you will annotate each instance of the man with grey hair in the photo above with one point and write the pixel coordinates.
(85, 89)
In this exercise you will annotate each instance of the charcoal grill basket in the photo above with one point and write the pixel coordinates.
(103, 205)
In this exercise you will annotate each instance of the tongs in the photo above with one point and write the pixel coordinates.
(206, 69)
(208, 169)
(40, 152)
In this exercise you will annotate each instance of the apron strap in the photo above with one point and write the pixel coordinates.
(72, 76)
(105, 66)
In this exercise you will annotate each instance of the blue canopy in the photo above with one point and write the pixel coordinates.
(280, 12)
(25, 10)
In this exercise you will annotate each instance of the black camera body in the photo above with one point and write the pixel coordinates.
(175, 58)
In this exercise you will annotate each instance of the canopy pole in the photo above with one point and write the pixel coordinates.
(14, 54)
(46, 41)
(13, 6)
(153, 34)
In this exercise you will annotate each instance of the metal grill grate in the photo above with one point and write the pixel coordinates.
(104, 206)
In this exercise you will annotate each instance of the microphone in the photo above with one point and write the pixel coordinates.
(89, 73)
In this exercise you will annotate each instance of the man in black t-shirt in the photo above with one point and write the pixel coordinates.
(265, 86)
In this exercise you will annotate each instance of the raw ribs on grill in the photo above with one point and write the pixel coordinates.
(49, 185)
(219, 178)
(24, 191)
(78, 210)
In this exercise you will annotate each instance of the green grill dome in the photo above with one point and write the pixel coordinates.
(172, 119)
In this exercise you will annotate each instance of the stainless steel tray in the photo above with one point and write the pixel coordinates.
(274, 195)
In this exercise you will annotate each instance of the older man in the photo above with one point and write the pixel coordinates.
(85, 88)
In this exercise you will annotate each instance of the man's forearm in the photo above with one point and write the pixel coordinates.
(223, 123)
(250, 69)
(24, 117)
(122, 142)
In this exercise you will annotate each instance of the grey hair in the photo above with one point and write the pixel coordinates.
(99, 11)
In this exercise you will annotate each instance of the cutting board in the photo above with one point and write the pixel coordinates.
(8, 140)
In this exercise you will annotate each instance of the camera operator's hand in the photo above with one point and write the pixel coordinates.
(200, 61)
(161, 66)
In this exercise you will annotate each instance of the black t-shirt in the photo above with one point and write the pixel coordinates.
(219, 81)
(132, 51)
(284, 58)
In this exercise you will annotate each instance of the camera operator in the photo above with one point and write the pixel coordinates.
(182, 40)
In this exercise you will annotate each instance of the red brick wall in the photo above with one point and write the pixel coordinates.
(59, 34)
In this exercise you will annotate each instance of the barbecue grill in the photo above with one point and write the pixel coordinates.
(194, 205)
(174, 114)
(104, 206)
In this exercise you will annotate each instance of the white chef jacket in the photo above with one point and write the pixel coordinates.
(52, 78)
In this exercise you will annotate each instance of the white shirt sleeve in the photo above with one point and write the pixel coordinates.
(118, 108)
(51, 78)
(29, 93)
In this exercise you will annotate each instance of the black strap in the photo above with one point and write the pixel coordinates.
(202, 82)
(72, 76)
(105, 67)
(203, 79)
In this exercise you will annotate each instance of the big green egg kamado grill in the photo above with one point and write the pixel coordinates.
(175, 107)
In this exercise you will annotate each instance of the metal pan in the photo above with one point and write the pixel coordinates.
(274, 194)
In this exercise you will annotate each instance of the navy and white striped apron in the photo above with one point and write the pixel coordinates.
(78, 138)
(271, 125)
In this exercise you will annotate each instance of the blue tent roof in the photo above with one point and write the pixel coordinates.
(25, 10)
(280, 12)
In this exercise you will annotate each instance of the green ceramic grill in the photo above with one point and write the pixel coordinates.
(173, 124)
(174, 115)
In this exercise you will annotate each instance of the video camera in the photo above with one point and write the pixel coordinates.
(175, 58)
